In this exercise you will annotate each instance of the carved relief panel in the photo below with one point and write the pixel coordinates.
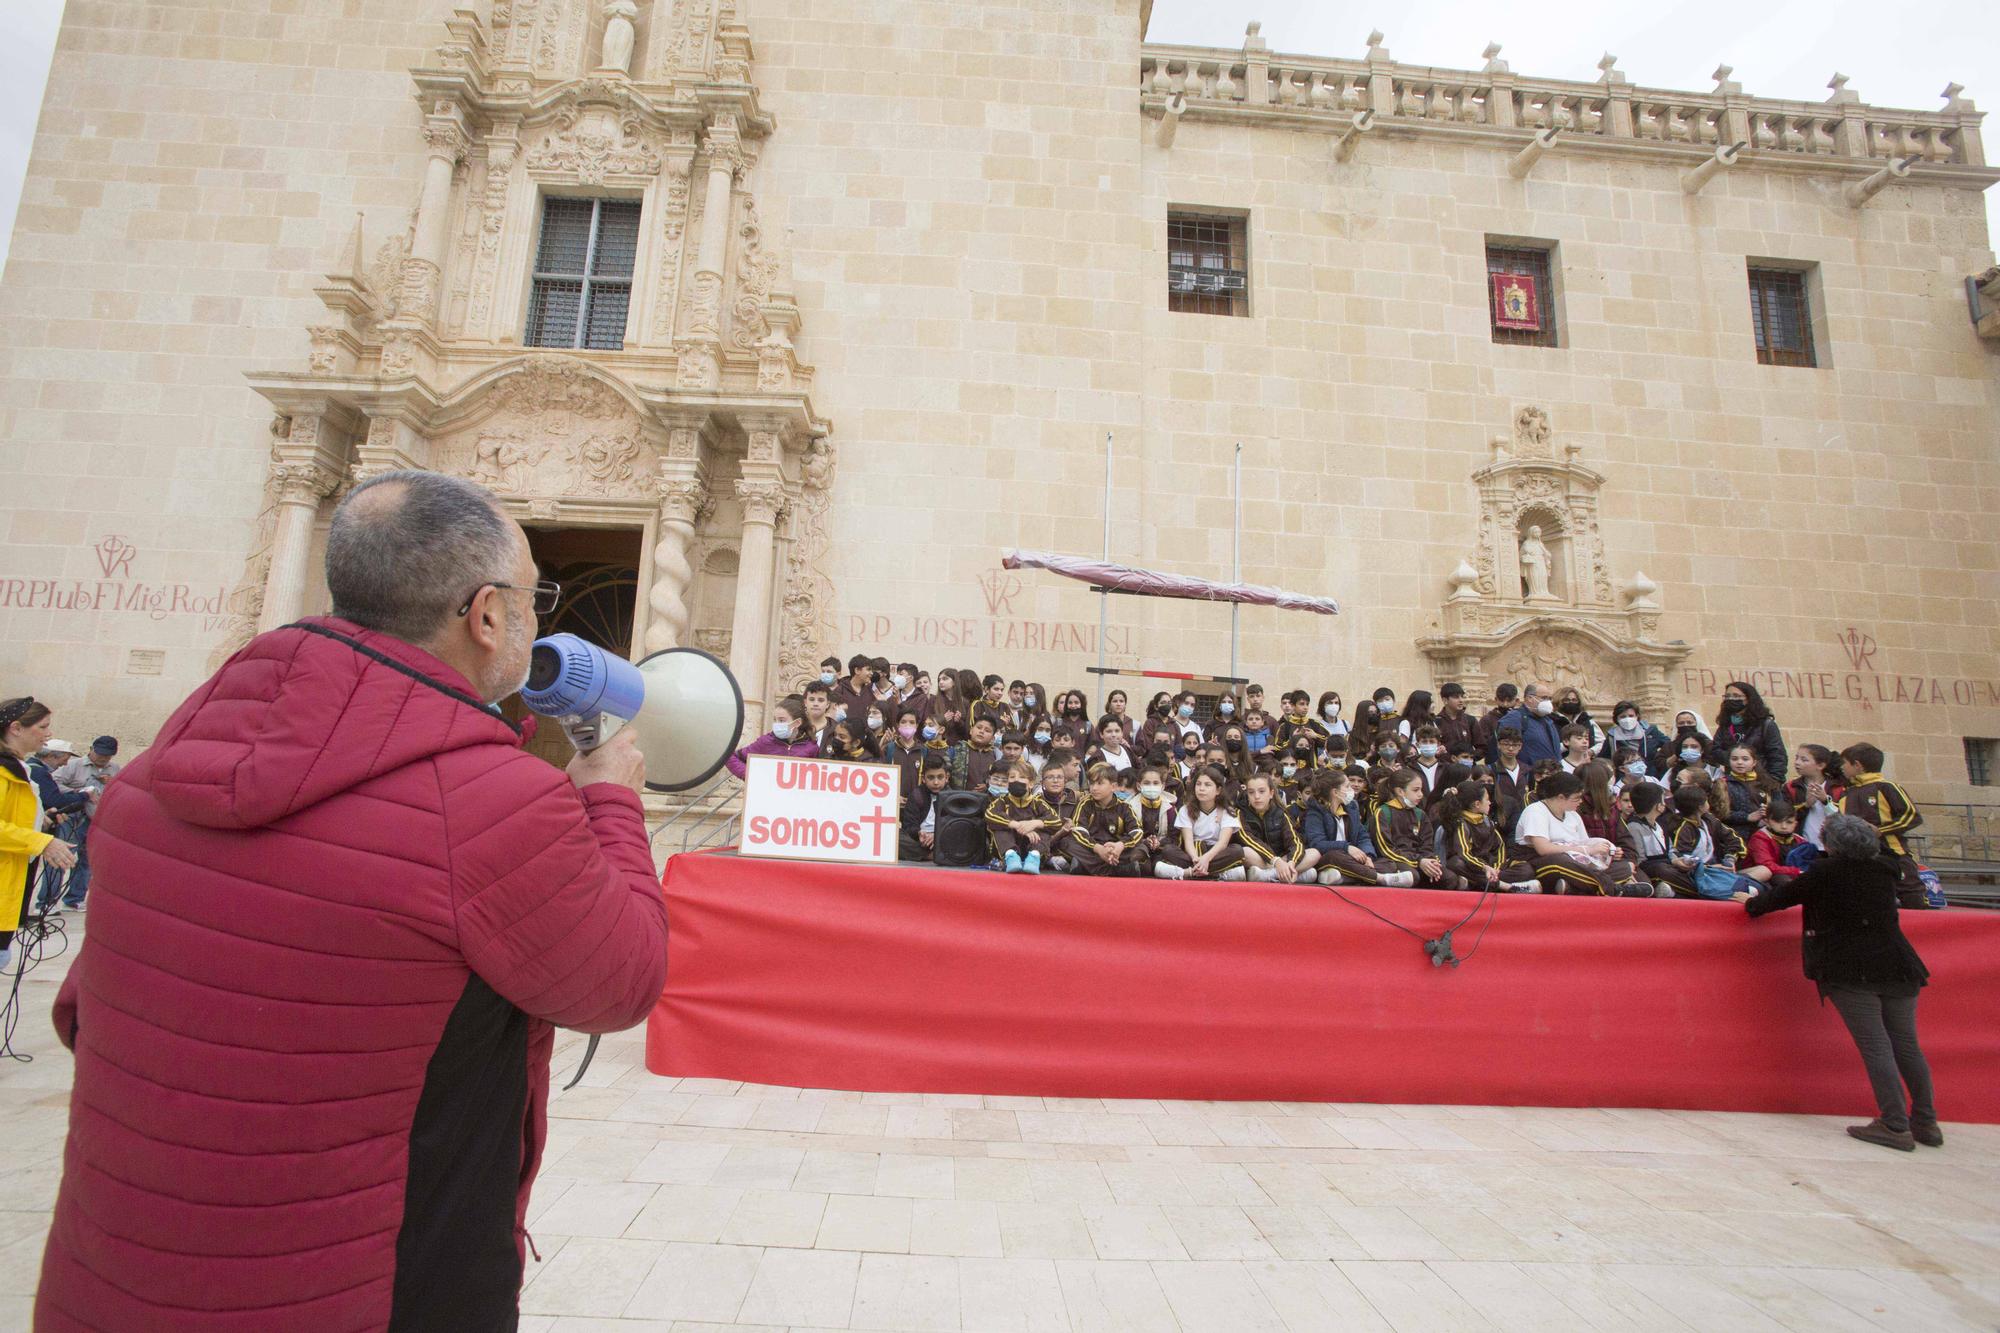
(552, 429)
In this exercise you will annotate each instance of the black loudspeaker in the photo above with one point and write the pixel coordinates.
(961, 829)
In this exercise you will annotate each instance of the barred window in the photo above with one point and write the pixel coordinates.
(1524, 312)
(1982, 758)
(1781, 317)
(1208, 269)
(583, 273)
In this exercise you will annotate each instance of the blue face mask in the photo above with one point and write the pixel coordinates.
(1187, 710)
(826, 678)
(1225, 708)
(996, 789)
(1028, 701)
(1690, 756)
(1041, 738)
(782, 730)
(930, 733)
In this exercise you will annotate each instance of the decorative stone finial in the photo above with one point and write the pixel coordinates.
(1642, 594)
(1723, 83)
(357, 261)
(1464, 582)
(1494, 64)
(1608, 67)
(1953, 101)
(1376, 51)
(1841, 93)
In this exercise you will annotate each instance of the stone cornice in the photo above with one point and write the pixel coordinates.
(1842, 135)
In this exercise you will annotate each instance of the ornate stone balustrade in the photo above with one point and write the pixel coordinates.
(1609, 112)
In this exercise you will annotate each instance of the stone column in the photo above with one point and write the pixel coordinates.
(701, 344)
(444, 135)
(301, 485)
(682, 500)
(750, 628)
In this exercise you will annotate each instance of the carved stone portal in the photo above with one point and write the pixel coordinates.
(1535, 603)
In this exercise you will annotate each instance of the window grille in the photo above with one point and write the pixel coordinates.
(1781, 317)
(1980, 757)
(1528, 262)
(1208, 271)
(583, 274)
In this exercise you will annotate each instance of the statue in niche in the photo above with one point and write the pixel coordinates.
(1535, 566)
(618, 35)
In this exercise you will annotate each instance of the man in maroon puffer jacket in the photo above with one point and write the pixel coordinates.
(337, 909)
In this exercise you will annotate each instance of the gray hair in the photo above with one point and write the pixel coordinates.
(406, 548)
(1845, 835)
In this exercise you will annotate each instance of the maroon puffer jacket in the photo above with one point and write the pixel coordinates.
(336, 909)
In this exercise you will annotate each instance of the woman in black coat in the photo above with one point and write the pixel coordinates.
(1746, 720)
(1857, 952)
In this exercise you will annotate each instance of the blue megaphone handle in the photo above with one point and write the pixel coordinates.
(585, 689)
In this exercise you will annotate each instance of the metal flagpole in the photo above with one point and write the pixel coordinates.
(1236, 608)
(1104, 594)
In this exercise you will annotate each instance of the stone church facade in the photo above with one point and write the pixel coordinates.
(863, 294)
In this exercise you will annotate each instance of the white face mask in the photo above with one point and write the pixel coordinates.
(840, 713)
(1636, 769)
(900, 681)
(1332, 712)
(874, 722)
(1545, 706)
(1151, 792)
(1386, 705)
(1428, 751)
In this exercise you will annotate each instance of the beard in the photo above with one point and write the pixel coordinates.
(509, 675)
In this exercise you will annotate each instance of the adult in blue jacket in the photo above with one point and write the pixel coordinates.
(1541, 738)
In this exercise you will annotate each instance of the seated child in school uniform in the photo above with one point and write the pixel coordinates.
(1565, 858)
(1335, 827)
(1652, 843)
(1698, 841)
(1206, 831)
(1473, 847)
(1103, 837)
(1406, 836)
(1272, 848)
(917, 838)
(1772, 845)
(1020, 823)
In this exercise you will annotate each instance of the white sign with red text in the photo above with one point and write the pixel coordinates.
(821, 809)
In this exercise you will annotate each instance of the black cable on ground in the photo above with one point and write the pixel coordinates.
(32, 949)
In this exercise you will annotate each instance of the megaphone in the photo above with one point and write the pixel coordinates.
(684, 705)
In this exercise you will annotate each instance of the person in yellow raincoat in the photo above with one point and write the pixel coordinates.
(24, 726)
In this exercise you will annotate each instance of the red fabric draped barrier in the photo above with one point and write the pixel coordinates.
(920, 980)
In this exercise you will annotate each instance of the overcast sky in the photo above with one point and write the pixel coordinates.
(1902, 55)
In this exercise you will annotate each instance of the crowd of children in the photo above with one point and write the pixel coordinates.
(1530, 795)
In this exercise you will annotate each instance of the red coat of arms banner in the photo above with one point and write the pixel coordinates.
(1516, 304)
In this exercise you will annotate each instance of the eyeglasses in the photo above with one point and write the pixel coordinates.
(547, 594)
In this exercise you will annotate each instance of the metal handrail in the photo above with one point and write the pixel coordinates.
(707, 818)
(1969, 828)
